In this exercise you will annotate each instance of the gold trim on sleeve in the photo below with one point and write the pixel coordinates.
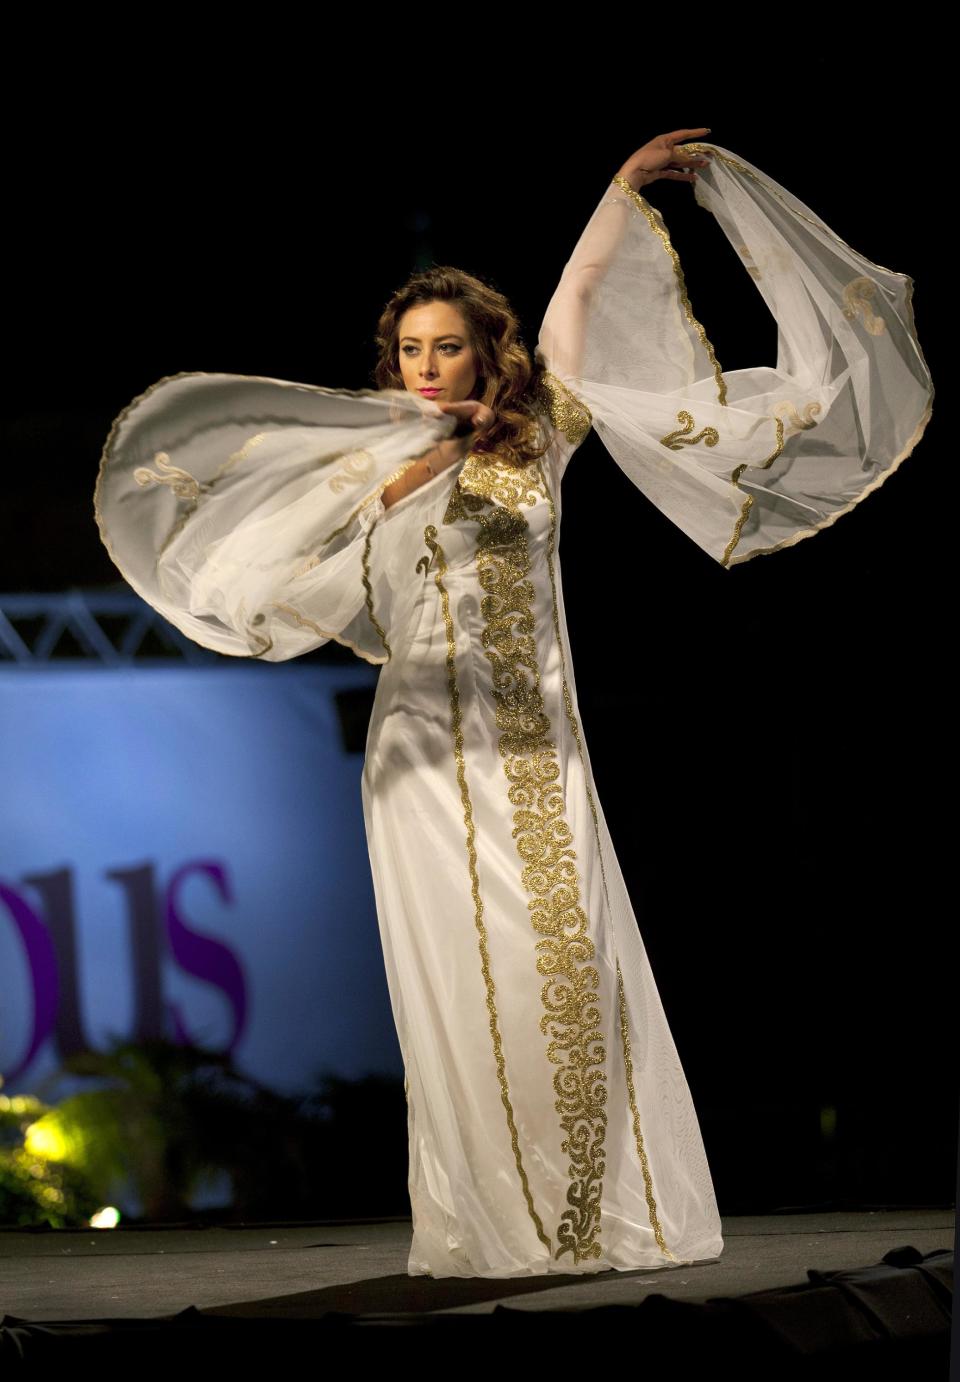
(657, 225)
(748, 501)
(838, 513)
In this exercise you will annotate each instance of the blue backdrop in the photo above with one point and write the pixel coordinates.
(183, 853)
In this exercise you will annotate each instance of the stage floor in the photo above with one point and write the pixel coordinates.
(302, 1271)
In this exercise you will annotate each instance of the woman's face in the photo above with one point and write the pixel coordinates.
(435, 354)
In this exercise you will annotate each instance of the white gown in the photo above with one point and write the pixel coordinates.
(551, 1128)
(550, 1125)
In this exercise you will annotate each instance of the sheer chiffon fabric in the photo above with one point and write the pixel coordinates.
(239, 508)
(744, 461)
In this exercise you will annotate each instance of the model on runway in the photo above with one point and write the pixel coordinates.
(551, 1128)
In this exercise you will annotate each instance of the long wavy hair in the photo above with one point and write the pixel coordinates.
(508, 381)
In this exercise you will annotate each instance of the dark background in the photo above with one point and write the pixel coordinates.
(769, 741)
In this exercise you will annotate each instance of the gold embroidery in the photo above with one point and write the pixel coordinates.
(125, 412)
(239, 455)
(372, 498)
(194, 488)
(367, 588)
(749, 264)
(657, 225)
(856, 298)
(324, 633)
(748, 501)
(180, 481)
(456, 508)
(493, 480)
(265, 643)
(569, 414)
(485, 478)
(356, 468)
(301, 619)
(572, 1016)
(430, 535)
(183, 484)
(624, 1030)
(747, 506)
(304, 622)
(675, 440)
(637, 1134)
(798, 422)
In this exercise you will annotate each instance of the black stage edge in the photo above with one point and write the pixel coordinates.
(840, 1315)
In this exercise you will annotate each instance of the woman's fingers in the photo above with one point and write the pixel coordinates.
(661, 158)
(477, 414)
(682, 165)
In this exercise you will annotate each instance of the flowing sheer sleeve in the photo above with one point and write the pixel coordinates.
(247, 510)
(751, 460)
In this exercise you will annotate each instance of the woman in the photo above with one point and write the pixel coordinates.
(551, 1128)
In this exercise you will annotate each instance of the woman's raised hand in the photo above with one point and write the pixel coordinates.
(474, 416)
(661, 159)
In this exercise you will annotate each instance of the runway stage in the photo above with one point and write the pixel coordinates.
(802, 1293)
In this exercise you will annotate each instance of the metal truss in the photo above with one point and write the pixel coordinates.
(65, 626)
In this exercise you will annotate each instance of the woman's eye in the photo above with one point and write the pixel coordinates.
(449, 346)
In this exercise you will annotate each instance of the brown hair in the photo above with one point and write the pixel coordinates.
(507, 379)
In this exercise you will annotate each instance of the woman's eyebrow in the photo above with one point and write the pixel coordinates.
(452, 334)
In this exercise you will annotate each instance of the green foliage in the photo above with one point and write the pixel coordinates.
(161, 1118)
(35, 1190)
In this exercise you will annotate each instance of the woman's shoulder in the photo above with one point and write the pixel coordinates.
(556, 401)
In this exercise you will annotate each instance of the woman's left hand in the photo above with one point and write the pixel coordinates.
(472, 414)
(660, 159)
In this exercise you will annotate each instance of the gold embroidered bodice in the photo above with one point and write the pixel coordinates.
(487, 478)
